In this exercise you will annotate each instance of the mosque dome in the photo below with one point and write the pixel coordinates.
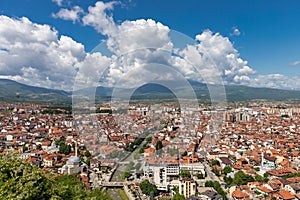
(74, 159)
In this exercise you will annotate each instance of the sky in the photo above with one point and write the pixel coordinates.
(51, 43)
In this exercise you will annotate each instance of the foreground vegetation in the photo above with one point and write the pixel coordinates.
(20, 180)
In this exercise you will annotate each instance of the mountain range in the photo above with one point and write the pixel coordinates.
(12, 91)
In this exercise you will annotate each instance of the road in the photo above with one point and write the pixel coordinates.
(213, 177)
(117, 177)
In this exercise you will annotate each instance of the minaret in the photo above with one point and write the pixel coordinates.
(262, 160)
(76, 148)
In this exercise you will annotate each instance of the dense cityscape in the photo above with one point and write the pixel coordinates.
(162, 152)
(149, 100)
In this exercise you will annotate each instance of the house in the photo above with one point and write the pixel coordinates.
(294, 188)
(264, 190)
(210, 195)
(224, 161)
(149, 151)
(286, 195)
(45, 145)
(239, 195)
(48, 161)
(9, 137)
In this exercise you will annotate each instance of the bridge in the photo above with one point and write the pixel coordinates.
(124, 163)
(112, 184)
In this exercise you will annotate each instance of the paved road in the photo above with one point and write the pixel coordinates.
(213, 177)
(117, 177)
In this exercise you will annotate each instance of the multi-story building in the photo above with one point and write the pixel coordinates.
(162, 173)
(187, 187)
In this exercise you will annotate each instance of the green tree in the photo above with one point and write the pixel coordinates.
(216, 172)
(25, 148)
(149, 139)
(126, 175)
(216, 185)
(88, 161)
(209, 184)
(259, 178)
(87, 153)
(177, 195)
(148, 188)
(215, 162)
(159, 145)
(200, 176)
(69, 187)
(185, 173)
(138, 166)
(184, 153)
(65, 149)
(227, 170)
(228, 180)
(240, 178)
(20, 180)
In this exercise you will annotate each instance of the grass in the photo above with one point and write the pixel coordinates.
(123, 195)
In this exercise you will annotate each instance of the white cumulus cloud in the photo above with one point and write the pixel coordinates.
(66, 14)
(235, 31)
(34, 54)
(58, 2)
(295, 63)
(276, 81)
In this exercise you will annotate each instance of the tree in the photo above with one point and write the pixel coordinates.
(20, 180)
(177, 195)
(227, 170)
(69, 187)
(126, 175)
(228, 180)
(259, 178)
(138, 166)
(159, 145)
(215, 162)
(148, 188)
(216, 172)
(185, 173)
(88, 161)
(216, 185)
(209, 184)
(149, 139)
(200, 176)
(25, 148)
(87, 153)
(65, 149)
(240, 178)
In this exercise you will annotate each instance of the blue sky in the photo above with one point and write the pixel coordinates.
(267, 33)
